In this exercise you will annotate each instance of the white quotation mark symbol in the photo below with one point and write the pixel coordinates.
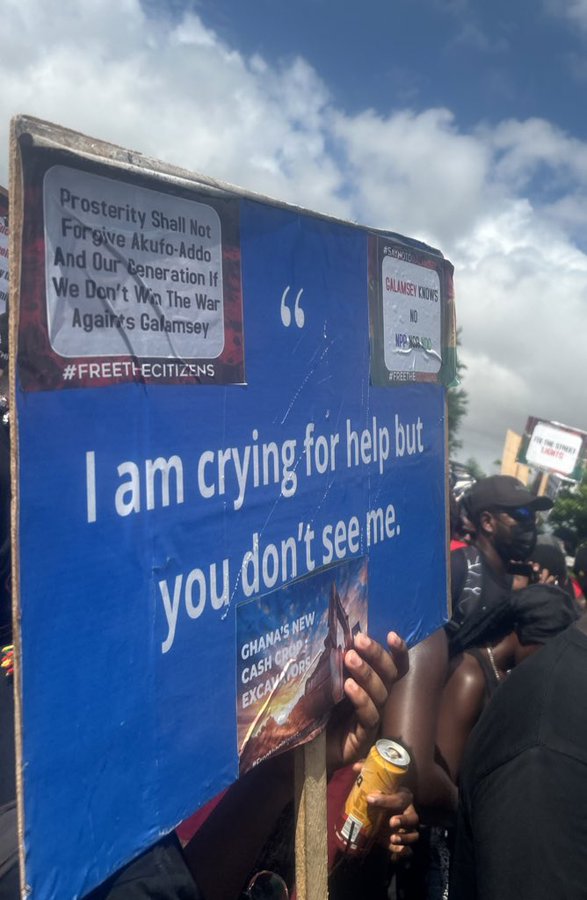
(299, 316)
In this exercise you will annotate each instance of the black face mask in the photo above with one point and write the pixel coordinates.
(519, 543)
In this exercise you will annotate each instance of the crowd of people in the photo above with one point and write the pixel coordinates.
(495, 737)
(489, 707)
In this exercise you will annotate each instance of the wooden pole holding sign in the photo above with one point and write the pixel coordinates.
(311, 820)
(14, 260)
(4, 258)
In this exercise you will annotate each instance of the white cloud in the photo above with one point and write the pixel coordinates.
(172, 91)
(522, 292)
(399, 163)
(522, 147)
(472, 37)
(573, 10)
(504, 204)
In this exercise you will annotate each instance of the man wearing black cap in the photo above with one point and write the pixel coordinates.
(502, 511)
(503, 514)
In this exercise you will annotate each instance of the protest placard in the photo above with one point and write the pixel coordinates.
(553, 447)
(219, 477)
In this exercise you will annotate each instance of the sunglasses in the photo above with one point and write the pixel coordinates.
(267, 885)
(521, 514)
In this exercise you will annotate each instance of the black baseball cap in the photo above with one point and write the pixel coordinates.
(502, 492)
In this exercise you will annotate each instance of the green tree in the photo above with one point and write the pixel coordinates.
(474, 468)
(457, 402)
(570, 510)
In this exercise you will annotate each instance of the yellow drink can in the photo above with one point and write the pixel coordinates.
(385, 765)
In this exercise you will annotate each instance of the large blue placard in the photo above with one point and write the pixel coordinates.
(239, 446)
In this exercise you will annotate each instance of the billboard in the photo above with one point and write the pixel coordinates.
(227, 462)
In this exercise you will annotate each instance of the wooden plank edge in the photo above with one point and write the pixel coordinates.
(56, 137)
(15, 221)
(311, 820)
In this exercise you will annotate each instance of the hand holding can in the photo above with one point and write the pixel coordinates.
(357, 826)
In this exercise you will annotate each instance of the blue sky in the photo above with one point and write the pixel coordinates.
(485, 61)
(454, 121)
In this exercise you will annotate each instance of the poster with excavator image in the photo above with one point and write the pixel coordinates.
(291, 645)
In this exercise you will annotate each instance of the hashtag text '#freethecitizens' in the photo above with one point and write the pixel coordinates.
(128, 368)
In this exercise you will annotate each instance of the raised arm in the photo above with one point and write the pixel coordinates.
(410, 716)
(460, 706)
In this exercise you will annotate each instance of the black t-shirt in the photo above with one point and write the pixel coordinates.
(159, 873)
(481, 601)
(522, 824)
